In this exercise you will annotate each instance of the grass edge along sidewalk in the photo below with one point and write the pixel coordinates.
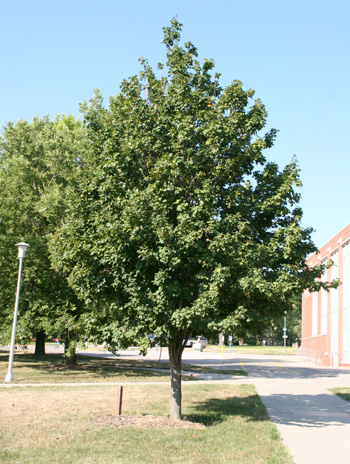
(55, 424)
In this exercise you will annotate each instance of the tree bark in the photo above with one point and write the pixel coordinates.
(272, 340)
(175, 355)
(70, 345)
(40, 344)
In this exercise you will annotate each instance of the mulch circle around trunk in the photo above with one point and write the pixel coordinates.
(148, 421)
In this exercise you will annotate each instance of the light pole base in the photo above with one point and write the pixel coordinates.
(9, 377)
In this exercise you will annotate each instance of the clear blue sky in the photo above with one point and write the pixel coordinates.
(294, 54)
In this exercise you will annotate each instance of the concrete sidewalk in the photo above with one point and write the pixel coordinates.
(313, 422)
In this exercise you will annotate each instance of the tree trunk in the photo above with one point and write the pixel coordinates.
(272, 340)
(175, 355)
(70, 345)
(40, 344)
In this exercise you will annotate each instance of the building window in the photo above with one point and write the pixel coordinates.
(324, 296)
(346, 303)
(334, 276)
(334, 313)
(314, 313)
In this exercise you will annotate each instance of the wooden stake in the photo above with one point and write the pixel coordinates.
(119, 400)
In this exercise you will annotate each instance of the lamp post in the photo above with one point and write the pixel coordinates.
(285, 330)
(22, 248)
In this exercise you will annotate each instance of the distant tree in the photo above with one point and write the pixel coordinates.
(182, 227)
(272, 330)
(293, 325)
(38, 162)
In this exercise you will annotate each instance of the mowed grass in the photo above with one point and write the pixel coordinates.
(342, 393)
(52, 369)
(54, 425)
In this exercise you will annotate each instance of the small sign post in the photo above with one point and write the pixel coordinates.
(119, 400)
(230, 340)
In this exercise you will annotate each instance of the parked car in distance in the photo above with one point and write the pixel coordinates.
(190, 342)
(202, 341)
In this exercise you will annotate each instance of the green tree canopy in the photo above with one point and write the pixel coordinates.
(182, 227)
(38, 162)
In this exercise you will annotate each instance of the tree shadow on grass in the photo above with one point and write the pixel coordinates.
(103, 369)
(99, 367)
(217, 410)
(299, 410)
(308, 410)
(344, 396)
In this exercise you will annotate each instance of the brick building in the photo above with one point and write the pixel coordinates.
(326, 315)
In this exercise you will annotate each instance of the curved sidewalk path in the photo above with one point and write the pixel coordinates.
(313, 422)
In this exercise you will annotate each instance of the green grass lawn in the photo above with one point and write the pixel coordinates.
(342, 393)
(51, 369)
(244, 349)
(41, 425)
(55, 424)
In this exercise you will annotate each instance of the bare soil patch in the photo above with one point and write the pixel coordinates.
(146, 421)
